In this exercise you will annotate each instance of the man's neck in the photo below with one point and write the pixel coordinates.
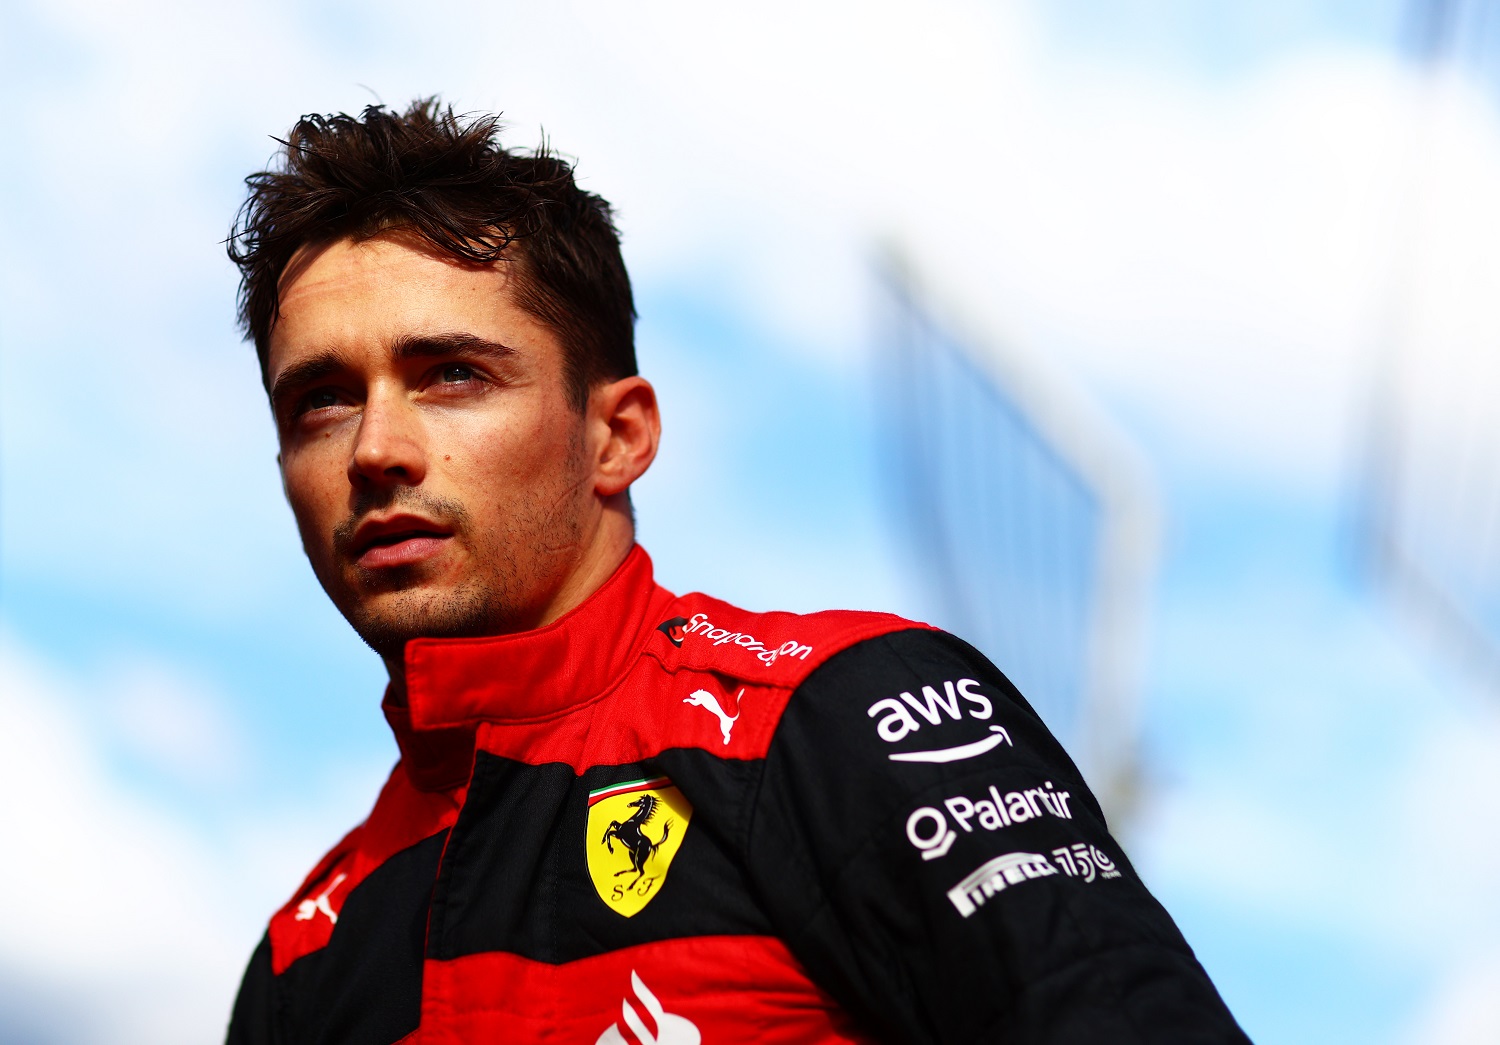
(612, 540)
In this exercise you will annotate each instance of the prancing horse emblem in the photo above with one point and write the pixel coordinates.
(634, 830)
(704, 699)
(632, 836)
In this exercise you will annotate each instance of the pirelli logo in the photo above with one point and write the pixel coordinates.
(996, 876)
(1079, 860)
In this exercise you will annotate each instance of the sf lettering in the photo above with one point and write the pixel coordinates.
(640, 887)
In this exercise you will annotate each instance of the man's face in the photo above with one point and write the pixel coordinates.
(436, 468)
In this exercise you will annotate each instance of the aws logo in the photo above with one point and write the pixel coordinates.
(634, 830)
(900, 718)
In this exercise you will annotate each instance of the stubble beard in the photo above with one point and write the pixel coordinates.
(472, 608)
(516, 566)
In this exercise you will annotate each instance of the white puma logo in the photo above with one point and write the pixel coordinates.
(307, 908)
(704, 699)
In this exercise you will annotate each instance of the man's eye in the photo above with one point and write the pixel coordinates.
(318, 400)
(456, 373)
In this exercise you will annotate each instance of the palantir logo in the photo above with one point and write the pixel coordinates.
(651, 1024)
(927, 828)
(898, 722)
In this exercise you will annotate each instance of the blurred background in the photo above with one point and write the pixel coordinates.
(1151, 344)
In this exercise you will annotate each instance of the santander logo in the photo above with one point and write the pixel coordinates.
(649, 1025)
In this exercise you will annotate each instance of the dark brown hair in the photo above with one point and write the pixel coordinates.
(447, 179)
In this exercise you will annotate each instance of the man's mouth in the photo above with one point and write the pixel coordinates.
(400, 541)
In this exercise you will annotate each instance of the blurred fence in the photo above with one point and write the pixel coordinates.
(1429, 514)
(1030, 525)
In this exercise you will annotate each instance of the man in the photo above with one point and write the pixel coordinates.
(623, 815)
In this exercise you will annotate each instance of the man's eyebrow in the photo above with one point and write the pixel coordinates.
(409, 346)
(306, 371)
(418, 346)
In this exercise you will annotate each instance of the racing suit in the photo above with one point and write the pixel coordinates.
(665, 820)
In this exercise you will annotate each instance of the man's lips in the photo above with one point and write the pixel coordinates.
(403, 552)
(399, 541)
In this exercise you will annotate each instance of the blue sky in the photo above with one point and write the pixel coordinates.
(1182, 210)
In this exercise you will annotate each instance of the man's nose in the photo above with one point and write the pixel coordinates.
(389, 449)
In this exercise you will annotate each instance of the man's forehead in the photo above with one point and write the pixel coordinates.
(383, 288)
(387, 260)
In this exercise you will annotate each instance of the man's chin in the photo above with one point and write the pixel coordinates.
(389, 621)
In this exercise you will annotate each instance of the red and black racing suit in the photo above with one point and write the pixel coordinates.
(662, 820)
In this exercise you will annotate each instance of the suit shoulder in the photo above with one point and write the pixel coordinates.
(403, 817)
(775, 648)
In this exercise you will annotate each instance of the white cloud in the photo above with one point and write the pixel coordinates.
(173, 721)
(1465, 1009)
(1386, 832)
(114, 901)
(111, 899)
(1444, 808)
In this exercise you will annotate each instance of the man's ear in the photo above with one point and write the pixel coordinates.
(626, 425)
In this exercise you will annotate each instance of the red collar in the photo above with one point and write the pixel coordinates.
(453, 684)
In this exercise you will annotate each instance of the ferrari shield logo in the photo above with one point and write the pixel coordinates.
(634, 831)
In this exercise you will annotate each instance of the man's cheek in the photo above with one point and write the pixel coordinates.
(315, 525)
(307, 486)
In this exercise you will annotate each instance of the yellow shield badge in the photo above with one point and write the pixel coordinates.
(634, 830)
